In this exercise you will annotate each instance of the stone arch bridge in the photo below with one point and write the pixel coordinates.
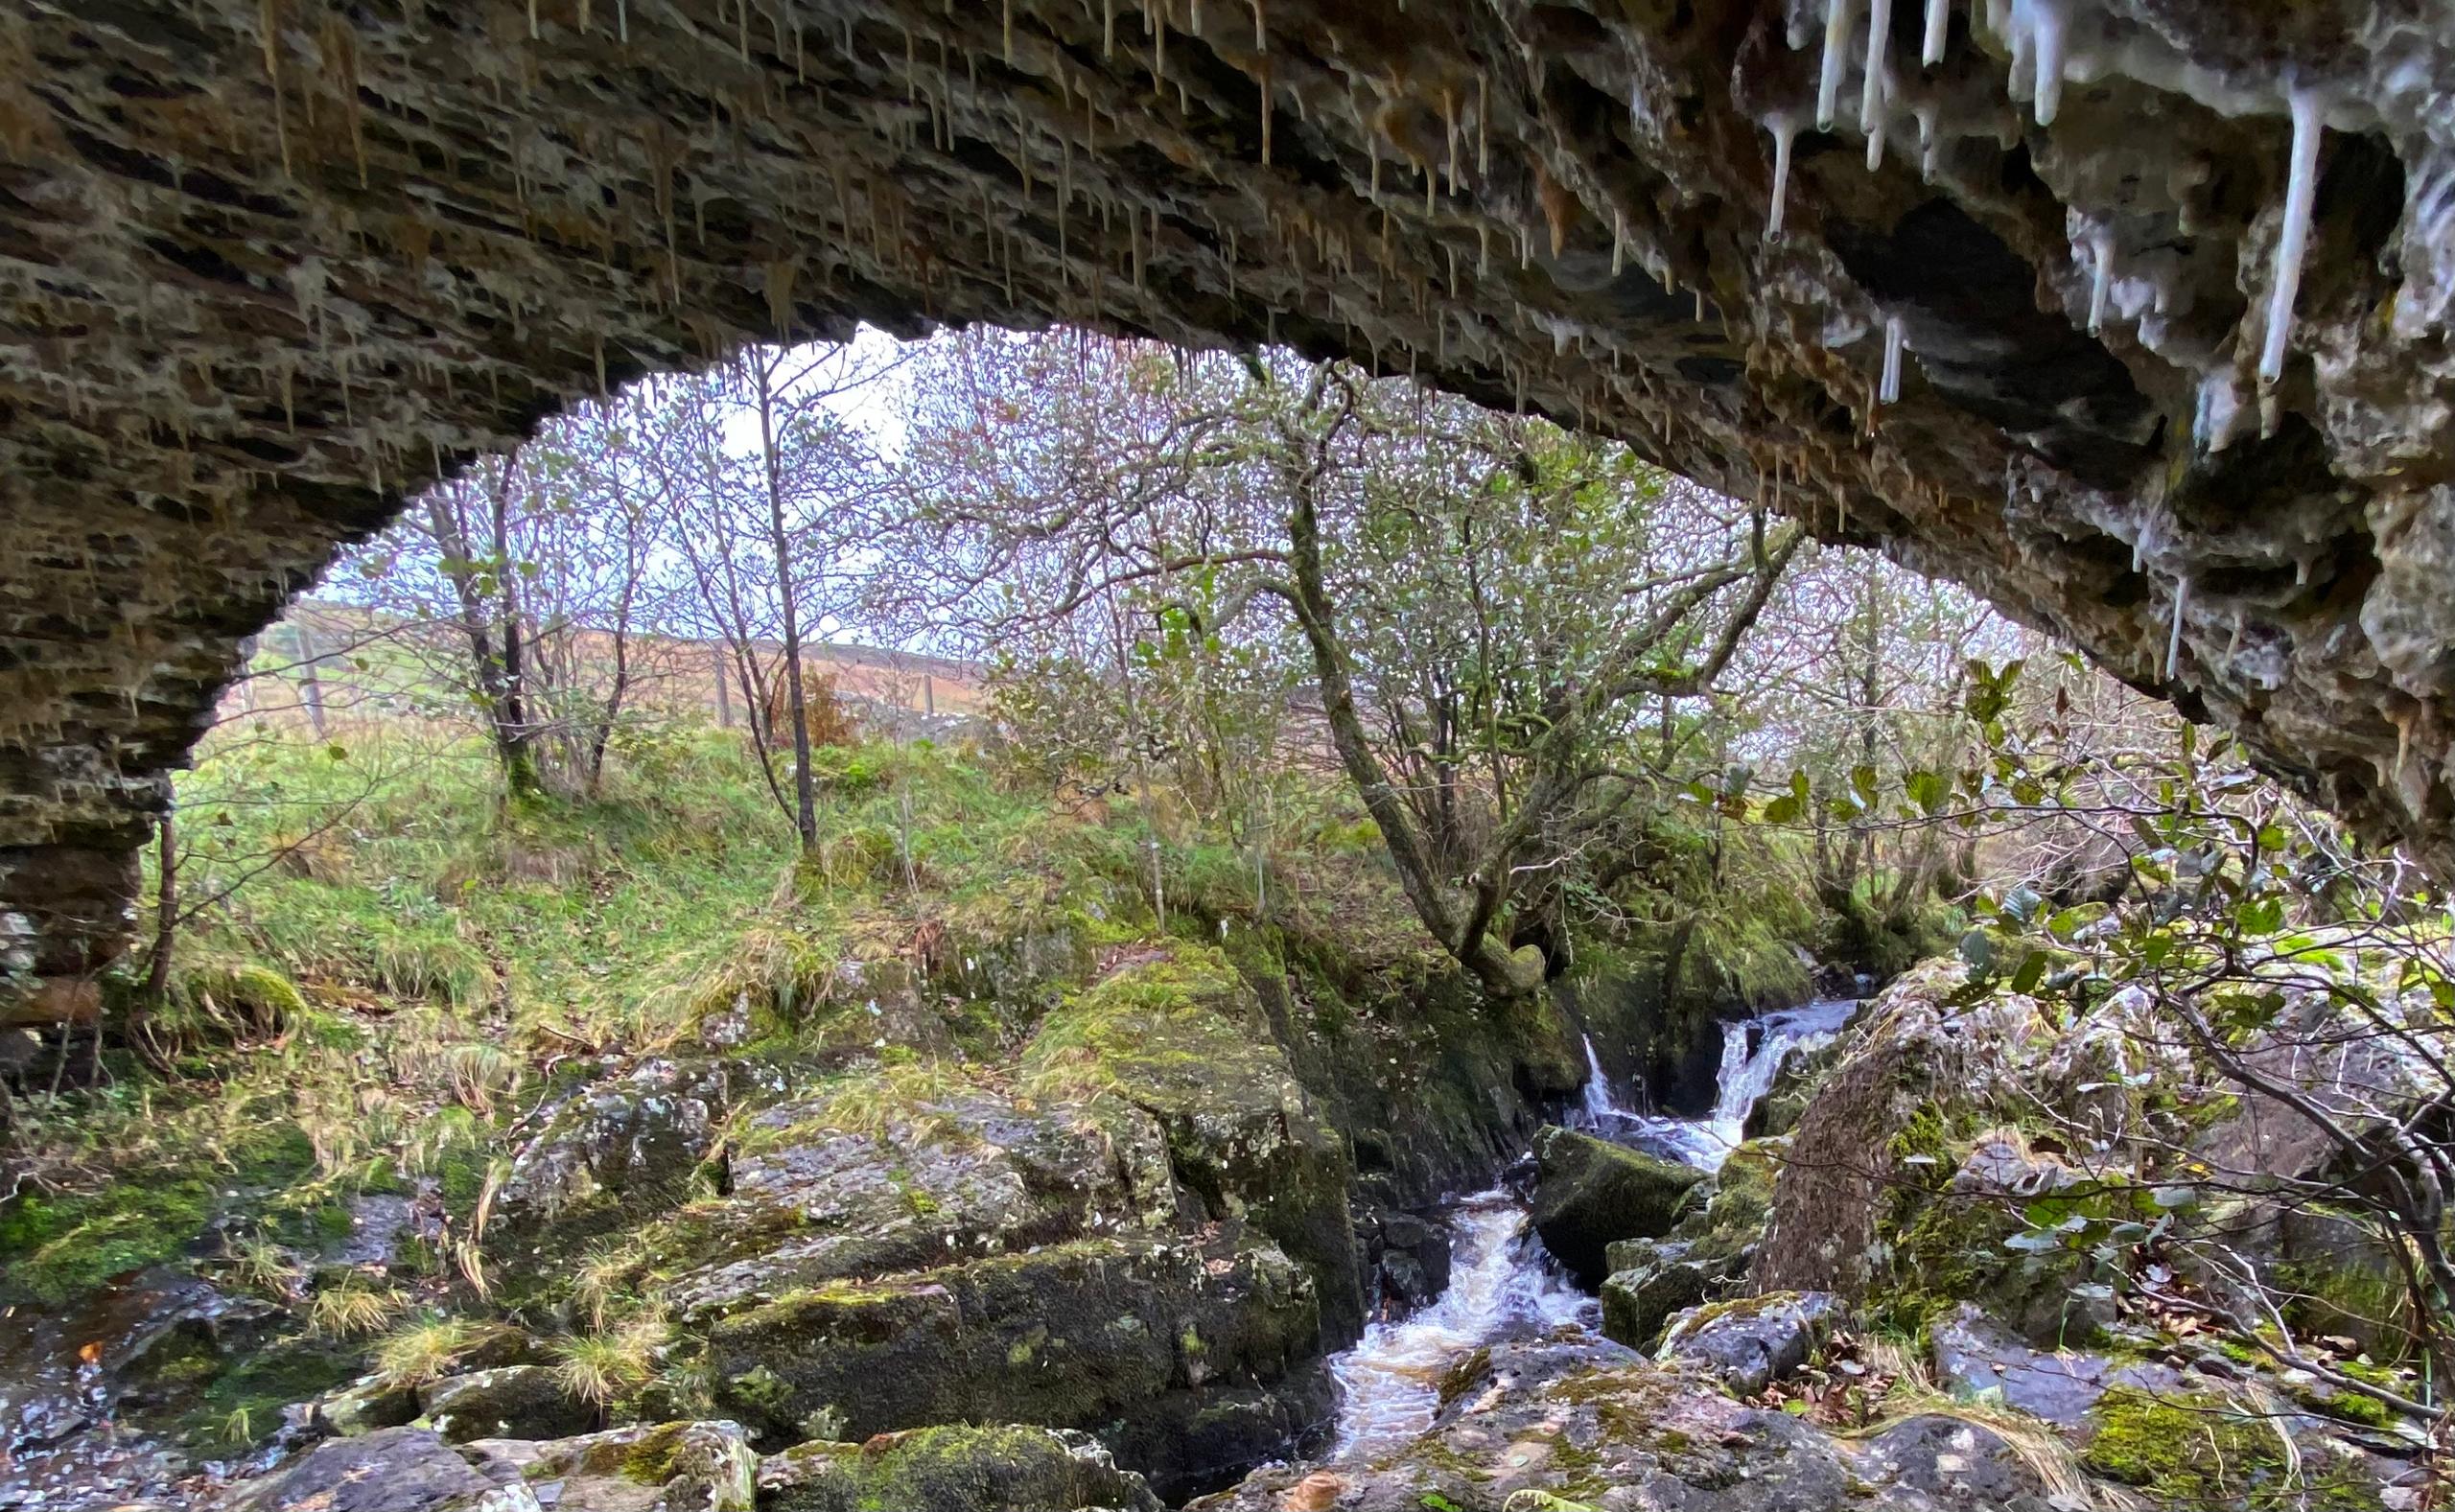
(2131, 315)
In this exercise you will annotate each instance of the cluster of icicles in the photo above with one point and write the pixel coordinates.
(2039, 35)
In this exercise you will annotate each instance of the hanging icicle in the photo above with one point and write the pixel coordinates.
(1888, 389)
(1938, 27)
(1785, 126)
(2301, 185)
(1839, 14)
(2174, 637)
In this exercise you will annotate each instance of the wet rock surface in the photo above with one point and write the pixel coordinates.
(2167, 334)
(1976, 1357)
(1589, 1193)
(1749, 1344)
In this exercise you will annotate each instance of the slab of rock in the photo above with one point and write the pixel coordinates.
(1188, 1356)
(953, 1469)
(391, 1470)
(662, 1467)
(1591, 1424)
(1749, 1344)
(615, 1153)
(1589, 1193)
(1960, 1463)
(1978, 1358)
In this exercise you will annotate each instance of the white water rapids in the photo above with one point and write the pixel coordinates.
(1502, 1282)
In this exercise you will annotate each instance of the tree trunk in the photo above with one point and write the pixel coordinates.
(805, 780)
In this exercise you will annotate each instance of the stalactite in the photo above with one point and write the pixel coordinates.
(1938, 30)
(1785, 126)
(1888, 388)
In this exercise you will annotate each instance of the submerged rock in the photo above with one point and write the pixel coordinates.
(1589, 1193)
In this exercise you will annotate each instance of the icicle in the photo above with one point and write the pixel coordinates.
(1926, 141)
(1158, 49)
(2100, 279)
(1838, 17)
(2294, 237)
(1266, 104)
(622, 20)
(1261, 38)
(533, 32)
(1871, 92)
(2047, 44)
(1619, 239)
(1108, 28)
(1483, 133)
(1888, 390)
(1785, 126)
(2174, 640)
(1938, 27)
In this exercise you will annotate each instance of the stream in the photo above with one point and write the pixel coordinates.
(1502, 1283)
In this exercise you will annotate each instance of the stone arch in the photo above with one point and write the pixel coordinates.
(270, 266)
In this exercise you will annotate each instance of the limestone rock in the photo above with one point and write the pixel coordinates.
(1589, 1193)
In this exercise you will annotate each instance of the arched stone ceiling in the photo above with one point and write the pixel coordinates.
(269, 266)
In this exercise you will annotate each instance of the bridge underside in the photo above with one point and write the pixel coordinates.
(267, 266)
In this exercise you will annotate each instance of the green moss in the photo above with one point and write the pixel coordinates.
(53, 1246)
(2208, 1451)
(649, 1462)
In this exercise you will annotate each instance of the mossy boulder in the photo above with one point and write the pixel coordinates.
(508, 1401)
(1649, 1281)
(1589, 1193)
(1111, 1335)
(1173, 1031)
(899, 1170)
(953, 1468)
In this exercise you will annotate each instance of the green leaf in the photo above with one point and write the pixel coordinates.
(1864, 782)
(2032, 968)
(1929, 790)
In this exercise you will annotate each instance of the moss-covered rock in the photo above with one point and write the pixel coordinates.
(896, 1170)
(508, 1401)
(1108, 1335)
(614, 1153)
(953, 1469)
(2211, 1452)
(1173, 1030)
(1589, 1193)
(661, 1467)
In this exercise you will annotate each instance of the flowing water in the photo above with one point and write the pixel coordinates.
(1501, 1280)
(1753, 1052)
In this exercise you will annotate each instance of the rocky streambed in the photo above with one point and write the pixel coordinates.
(1143, 1255)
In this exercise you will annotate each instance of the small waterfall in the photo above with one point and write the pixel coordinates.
(1753, 1052)
(1500, 1280)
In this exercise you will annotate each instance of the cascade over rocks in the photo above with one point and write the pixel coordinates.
(2160, 286)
